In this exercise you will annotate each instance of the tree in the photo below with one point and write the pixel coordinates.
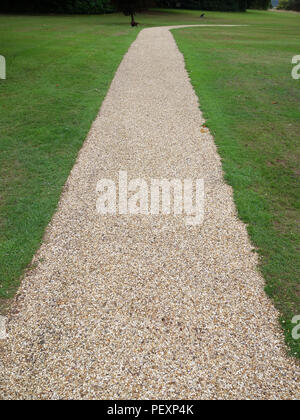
(221, 5)
(294, 5)
(258, 4)
(56, 6)
(131, 7)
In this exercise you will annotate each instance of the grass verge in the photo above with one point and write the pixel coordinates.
(252, 105)
(59, 69)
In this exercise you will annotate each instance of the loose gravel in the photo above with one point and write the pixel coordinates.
(142, 307)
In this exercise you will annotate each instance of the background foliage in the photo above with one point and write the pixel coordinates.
(57, 6)
(258, 4)
(221, 5)
(107, 6)
(130, 7)
(289, 5)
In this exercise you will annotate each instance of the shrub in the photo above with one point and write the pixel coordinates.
(294, 5)
(131, 7)
(258, 4)
(57, 6)
(283, 4)
(221, 5)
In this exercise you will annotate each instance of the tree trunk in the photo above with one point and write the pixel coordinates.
(132, 20)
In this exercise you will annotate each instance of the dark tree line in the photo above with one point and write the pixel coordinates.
(221, 5)
(128, 7)
(258, 4)
(290, 5)
(56, 6)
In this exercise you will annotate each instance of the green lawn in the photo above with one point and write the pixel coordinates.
(58, 72)
(59, 69)
(243, 79)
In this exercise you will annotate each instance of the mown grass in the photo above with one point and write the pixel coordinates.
(243, 79)
(58, 72)
(59, 69)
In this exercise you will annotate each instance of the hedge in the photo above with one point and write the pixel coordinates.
(258, 4)
(289, 5)
(294, 5)
(221, 5)
(56, 6)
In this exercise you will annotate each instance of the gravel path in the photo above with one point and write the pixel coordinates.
(146, 307)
